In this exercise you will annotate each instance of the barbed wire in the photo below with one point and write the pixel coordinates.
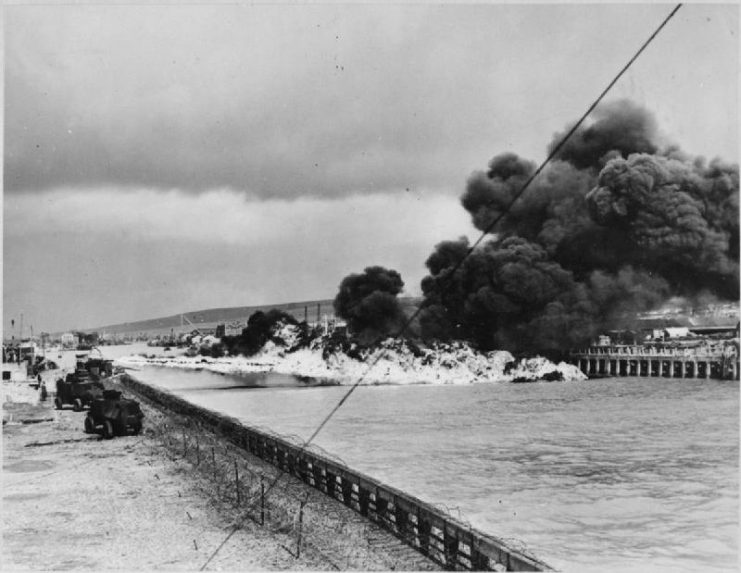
(181, 438)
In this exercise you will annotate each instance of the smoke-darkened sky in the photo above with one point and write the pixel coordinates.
(160, 159)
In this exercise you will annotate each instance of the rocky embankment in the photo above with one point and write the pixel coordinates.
(391, 362)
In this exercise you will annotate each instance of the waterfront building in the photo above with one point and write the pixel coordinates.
(69, 340)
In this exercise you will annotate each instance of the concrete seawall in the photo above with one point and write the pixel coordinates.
(430, 531)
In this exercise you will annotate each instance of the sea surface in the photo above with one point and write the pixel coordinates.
(623, 474)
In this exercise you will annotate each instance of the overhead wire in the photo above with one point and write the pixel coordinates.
(489, 228)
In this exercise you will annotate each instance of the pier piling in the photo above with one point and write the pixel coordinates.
(665, 362)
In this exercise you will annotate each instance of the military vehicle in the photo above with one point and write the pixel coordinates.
(113, 415)
(97, 366)
(77, 389)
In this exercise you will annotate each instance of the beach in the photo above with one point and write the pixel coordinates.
(75, 501)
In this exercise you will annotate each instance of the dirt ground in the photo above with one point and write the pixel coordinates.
(150, 502)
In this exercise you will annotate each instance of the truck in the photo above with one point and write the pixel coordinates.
(112, 415)
(78, 389)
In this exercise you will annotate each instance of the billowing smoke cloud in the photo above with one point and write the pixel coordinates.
(259, 330)
(613, 226)
(506, 294)
(368, 303)
(663, 211)
(619, 129)
(553, 205)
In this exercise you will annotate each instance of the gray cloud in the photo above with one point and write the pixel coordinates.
(75, 258)
(287, 100)
(257, 100)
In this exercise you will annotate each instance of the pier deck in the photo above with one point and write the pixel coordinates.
(651, 361)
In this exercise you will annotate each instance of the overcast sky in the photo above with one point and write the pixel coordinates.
(174, 158)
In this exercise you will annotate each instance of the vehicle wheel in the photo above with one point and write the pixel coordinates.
(89, 425)
(136, 428)
(58, 403)
(107, 430)
(77, 405)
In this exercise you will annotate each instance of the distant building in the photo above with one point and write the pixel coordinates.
(231, 329)
(676, 332)
(69, 340)
(604, 340)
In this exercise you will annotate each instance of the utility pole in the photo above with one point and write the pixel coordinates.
(21, 338)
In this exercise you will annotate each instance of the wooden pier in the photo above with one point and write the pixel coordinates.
(655, 361)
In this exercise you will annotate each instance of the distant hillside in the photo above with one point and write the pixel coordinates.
(313, 310)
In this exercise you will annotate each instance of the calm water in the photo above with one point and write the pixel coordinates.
(622, 474)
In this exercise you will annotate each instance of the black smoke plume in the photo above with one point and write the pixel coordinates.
(614, 225)
(506, 294)
(368, 303)
(258, 331)
(619, 129)
(664, 212)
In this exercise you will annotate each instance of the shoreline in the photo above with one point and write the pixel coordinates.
(391, 364)
(73, 500)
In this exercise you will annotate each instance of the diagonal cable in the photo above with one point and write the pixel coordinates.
(458, 265)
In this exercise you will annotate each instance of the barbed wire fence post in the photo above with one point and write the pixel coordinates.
(262, 501)
(302, 503)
